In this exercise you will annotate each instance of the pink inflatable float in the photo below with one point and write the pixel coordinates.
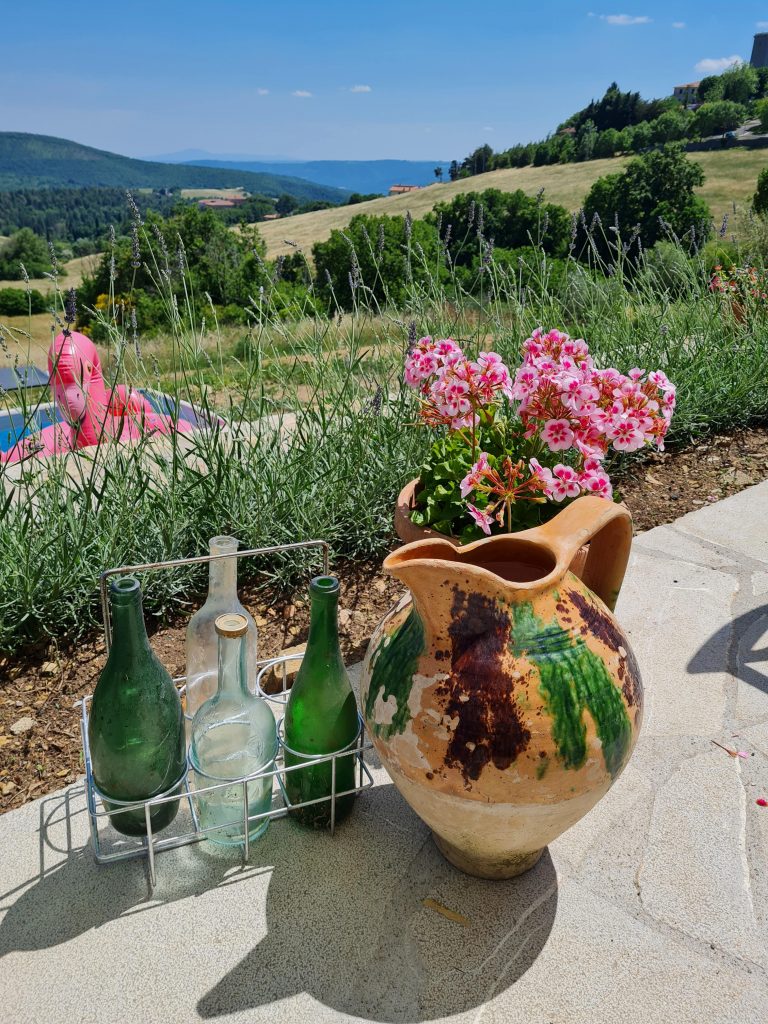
(92, 413)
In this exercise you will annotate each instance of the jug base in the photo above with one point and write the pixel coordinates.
(506, 866)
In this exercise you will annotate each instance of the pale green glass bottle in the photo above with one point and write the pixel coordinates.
(321, 716)
(234, 734)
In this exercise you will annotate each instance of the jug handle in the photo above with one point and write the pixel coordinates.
(607, 526)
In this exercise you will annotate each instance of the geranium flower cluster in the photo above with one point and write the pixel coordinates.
(454, 388)
(740, 282)
(565, 405)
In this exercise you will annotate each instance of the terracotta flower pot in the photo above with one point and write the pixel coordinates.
(502, 695)
(409, 532)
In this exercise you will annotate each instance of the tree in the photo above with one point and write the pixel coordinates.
(710, 89)
(719, 117)
(586, 138)
(375, 258)
(453, 170)
(25, 247)
(606, 143)
(760, 198)
(761, 111)
(511, 219)
(286, 204)
(671, 126)
(439, 173)
(740, 83)
(641, 137)
(655, 194)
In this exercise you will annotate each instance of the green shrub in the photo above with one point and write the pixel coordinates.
(19, 302)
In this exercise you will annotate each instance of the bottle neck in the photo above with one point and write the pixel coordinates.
(222, 579)
(129, 634)
(324, 625)
(233, 674)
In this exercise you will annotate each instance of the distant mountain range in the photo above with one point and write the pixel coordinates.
(364, 176)
(42, 161)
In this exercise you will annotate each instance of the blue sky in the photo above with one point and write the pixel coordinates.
(334, 79)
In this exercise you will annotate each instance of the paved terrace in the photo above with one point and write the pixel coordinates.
(652, 909)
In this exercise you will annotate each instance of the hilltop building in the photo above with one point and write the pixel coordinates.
(759, 58)
(687, 93)
(399, 190)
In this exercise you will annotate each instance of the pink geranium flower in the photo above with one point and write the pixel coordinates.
(557, 435)
(481, 518)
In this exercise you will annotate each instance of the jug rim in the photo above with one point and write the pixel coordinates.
(408, 556)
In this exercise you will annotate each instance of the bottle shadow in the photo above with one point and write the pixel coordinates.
(346, 918)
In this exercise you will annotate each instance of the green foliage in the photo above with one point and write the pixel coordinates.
(18, 302)
(359, 197)
(668, 271)
(74, 213)
(671, 126)
(710, 89)
(761, 112)
(740, 83)
(617, 109)
(760, 198)
(511, 219)
(718, 117)
(375, 259)
(24, 247)
(655, 195)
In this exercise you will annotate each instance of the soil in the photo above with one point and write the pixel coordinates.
(40, 743)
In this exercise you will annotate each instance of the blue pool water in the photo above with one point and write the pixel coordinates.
(14, 424)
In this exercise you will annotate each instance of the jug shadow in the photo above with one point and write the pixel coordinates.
(347, 924)
(344, 914)
(733, 648)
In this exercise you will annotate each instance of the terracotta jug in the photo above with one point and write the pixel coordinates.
(502, 695)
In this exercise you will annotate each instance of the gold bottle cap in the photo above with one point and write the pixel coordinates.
(231, 625)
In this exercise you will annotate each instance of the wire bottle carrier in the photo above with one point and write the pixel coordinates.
(109, 846)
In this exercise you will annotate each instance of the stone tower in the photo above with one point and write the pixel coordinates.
(759, 58)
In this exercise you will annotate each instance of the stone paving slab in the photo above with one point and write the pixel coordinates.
(651, 909)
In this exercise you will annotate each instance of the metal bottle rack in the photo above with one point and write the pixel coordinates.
(110, 846)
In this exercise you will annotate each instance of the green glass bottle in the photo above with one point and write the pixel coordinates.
(321, 715)
(136, 725)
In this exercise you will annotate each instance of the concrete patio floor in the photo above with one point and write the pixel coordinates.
(652, 909)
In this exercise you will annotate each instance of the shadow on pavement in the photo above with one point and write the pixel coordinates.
(734, 649)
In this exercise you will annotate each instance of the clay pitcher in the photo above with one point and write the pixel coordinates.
(502, 695)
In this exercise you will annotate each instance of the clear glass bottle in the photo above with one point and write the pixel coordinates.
(136, 725)
(202, 642)
(321, 715)
(233, 734)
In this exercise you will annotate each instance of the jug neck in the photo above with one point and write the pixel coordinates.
(129, 634)
(222, 573)
(233, 673)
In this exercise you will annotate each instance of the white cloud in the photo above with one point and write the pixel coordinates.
(301, 93)
(262, 92)
(714, 65)
(361, 88)
(678, 24)
(625, 19)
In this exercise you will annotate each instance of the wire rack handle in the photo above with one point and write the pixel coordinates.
(124, 570)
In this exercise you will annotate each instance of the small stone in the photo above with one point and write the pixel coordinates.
(289, 611)
(380, 586)
(345, 617)
(261, 621)
(23, 725)
(7, 787)
(49, 668)
(273, 680)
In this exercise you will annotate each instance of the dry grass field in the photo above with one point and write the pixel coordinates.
(730, 178)
(213, 193)
(75, 272)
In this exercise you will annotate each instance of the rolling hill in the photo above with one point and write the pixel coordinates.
(731, 176)
(41, 161)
